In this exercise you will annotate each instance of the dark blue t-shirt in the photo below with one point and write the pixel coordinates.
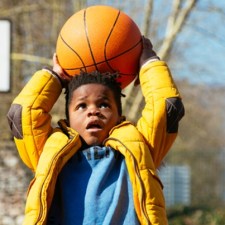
(93, 188)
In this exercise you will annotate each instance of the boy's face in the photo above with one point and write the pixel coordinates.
(93, 112)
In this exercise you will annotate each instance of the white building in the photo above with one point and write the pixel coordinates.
(176, 181)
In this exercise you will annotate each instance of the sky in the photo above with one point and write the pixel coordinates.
(204, 58)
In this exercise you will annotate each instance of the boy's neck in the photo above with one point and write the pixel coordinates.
(85, 145)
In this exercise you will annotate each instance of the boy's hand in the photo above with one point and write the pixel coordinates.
(59, 71)
(147, 51)
(147, 54)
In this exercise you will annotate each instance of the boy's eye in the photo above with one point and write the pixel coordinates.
(104, 105)
(81, 106)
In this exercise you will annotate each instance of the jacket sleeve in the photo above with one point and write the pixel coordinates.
(29, 117)
(163, 109)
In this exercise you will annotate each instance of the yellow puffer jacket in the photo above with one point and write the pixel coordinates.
(45, 150)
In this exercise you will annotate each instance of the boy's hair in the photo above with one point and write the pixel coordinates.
(95, 77)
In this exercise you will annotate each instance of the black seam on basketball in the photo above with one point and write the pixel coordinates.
(107, 39)
(108, 60)
(72, 51)
(134, 46)
(89, 44)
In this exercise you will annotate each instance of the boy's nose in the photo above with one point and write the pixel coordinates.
(94, 111)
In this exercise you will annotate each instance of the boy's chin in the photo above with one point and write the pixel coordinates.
(91, 142)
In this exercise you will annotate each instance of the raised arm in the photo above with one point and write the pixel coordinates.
(163, 106)
(29, 117)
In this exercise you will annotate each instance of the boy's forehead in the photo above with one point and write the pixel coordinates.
(93, 89)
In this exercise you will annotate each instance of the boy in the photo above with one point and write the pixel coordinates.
(96, 168)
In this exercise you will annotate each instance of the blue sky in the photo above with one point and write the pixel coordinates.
(204, 33)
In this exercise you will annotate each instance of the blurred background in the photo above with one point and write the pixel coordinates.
(190, 36)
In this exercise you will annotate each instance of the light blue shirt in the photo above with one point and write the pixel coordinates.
(94, 188)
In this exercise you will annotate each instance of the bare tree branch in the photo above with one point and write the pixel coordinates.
(147, 18)
(30, 58)
(175, 24)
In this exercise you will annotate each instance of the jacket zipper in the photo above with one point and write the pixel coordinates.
(60, 153)
(143, 194)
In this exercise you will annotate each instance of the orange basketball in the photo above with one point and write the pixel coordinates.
(100, 38)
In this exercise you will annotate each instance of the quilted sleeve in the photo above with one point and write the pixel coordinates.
(29, 117)
(163, 109)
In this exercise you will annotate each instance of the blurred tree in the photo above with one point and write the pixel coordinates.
(201, 142)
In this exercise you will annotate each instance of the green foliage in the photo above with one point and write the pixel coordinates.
(196, 216)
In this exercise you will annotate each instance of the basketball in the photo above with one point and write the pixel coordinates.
(100, 38)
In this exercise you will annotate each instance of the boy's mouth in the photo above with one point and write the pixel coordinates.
(93, 125)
